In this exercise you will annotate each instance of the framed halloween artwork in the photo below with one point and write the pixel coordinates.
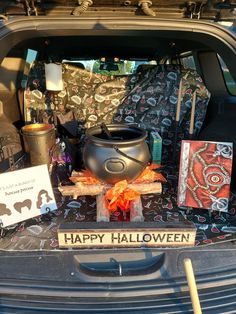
(205, 174)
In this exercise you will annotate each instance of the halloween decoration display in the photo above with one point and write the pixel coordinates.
(120, 155)
(114, 121)
(122, 195)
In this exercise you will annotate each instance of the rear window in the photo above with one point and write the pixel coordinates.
(229, 81)
(111, 67)
(187, 61)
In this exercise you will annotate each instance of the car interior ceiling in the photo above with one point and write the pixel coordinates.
(219, 121)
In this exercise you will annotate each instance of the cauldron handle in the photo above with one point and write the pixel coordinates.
(143, 164)
(108, 134)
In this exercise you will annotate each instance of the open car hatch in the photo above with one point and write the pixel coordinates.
(210, 10)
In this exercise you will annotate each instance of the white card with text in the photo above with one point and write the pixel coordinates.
(25, 194)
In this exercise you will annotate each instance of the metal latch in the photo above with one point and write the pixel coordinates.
(146, 7)
(83, 6)
(30, 7)
(195, 9)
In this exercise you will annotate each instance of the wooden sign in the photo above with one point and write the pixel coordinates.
(116, 234)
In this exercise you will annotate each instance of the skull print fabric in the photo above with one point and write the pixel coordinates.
(147, 99)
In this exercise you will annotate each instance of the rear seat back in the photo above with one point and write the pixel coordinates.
(38, 102)
(147, 98)
(152, 102)
(92, 97)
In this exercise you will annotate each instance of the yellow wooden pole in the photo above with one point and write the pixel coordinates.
(192, 286)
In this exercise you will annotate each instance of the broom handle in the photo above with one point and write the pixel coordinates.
(192, 117)
(178, 108)
(192, 286)
(177, 118)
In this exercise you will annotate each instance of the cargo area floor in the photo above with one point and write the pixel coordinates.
(40, 233)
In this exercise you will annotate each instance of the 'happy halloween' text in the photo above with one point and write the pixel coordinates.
(125, 238)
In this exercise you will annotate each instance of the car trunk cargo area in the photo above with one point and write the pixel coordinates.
(145, 97)
(41, 233)
(137, 98)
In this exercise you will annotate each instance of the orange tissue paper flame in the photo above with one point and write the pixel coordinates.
(148, 175)
(120, 196)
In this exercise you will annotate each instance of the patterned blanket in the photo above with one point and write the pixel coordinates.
(40, 233)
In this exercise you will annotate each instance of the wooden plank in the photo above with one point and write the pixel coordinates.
(103, 213)
(146, 234)
(81, 189)
(136, 210)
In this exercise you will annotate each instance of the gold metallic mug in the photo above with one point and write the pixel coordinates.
(39, 140)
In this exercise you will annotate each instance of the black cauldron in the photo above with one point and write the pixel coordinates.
(116, 153)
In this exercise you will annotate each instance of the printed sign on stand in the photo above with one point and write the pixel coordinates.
(25, 194)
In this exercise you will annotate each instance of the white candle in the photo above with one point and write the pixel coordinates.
(177, 117)
(53, 74)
